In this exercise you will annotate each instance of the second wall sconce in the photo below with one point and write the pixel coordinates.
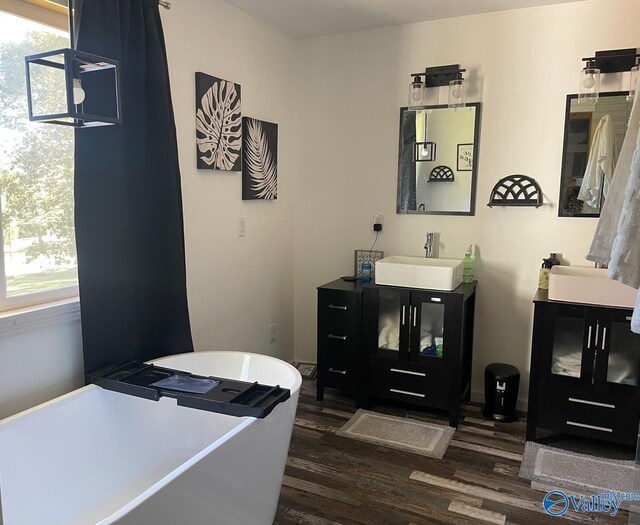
(437, 77)
(613, 61)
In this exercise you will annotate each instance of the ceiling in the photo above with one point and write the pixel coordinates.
(312, 18)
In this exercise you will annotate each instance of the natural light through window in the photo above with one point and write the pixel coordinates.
(36, 179)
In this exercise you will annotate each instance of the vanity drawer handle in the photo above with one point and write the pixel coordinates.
(408, 372)
(341, 372)
(591, 427)
(593, 403)
(340, 337)
(414, 394)
(436, 300)
(338, 307)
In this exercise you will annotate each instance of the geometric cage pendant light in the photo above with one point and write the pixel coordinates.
(73, 88)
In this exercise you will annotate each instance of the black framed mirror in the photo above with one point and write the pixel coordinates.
(593, 136)
(437, 160)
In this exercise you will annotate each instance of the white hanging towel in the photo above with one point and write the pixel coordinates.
(601, 163)
(625, 254)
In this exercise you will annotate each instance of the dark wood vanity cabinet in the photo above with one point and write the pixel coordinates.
(585, 372)
(340, 337)
(419, 345)
(401, 344)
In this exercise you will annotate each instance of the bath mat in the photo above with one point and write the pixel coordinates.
(566, 469)
(409, 435)
(307, 370)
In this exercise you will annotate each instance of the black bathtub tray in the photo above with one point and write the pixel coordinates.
(214, 394)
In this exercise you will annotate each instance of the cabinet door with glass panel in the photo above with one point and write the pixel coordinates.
(387, 315)
(617, 368)
(570, 338)
(430, 334)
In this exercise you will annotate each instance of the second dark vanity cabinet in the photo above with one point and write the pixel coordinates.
(585, 372)
(419, 345)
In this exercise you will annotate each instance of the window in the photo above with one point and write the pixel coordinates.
(38, 259)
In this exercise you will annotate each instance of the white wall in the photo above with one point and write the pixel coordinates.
(522, 64)
(237, 286)
(40, 358)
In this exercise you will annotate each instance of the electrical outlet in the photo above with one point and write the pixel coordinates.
(378, 218)
(272, 333)
(242, 227)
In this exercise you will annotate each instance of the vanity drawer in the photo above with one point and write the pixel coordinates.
(591, 415)
(339, 337)
(410, 382)
(335, 305)
(338, 369)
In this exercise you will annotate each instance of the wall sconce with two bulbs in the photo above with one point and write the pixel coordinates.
(614, 61)
(437, 77)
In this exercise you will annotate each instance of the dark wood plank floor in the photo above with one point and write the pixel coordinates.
(335, 480)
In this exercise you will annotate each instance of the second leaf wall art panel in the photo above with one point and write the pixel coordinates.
(260, 162)
(218, 123)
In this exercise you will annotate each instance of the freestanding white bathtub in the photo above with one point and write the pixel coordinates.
(97, 457)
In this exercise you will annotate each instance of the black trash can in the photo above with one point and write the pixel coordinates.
(501, 384)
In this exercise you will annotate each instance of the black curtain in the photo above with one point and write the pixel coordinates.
(128, 202)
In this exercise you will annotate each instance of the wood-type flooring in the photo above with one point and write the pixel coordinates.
(332, 480)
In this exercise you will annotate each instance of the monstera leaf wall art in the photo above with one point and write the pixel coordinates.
(260, 163)
(218, 123)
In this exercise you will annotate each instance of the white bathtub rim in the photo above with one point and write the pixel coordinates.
(63, 399)
(280, 362)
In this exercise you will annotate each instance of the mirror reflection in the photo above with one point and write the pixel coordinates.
(437, 165)
(593, 136)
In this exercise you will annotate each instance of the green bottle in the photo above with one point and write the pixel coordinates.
(467, 265)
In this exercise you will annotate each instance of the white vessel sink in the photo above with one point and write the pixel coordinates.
(418, 272)
(589, 286)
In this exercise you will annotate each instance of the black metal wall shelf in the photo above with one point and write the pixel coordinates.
(441, 174)
(516, 190)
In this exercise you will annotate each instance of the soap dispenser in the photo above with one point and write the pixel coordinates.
(467, 265)
(547, 264)
(543, 281)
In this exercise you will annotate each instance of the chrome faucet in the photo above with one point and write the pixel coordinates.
(428, 246)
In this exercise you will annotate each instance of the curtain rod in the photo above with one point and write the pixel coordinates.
(165, 4)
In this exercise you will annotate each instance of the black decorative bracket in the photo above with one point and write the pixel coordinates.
(516, 190)
(441, 174)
